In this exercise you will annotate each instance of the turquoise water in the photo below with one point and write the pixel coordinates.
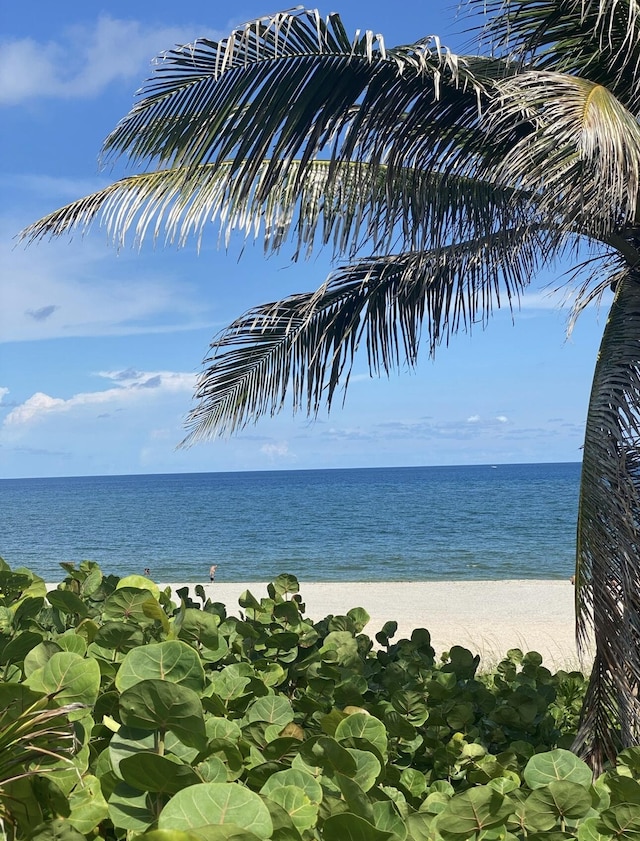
(377, 524)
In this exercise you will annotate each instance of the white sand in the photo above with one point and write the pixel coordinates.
(488, 617)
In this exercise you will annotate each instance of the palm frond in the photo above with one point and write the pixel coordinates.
(293, 88)
(351, 205)
(598, 40)
(591, 279)
(306, 78)
(581, 157)
(306, 344)
(607, 571)
(34, 735)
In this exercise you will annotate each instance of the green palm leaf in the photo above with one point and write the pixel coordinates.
(581, 158)
(306, 344)
(312, 85)
(352, 205)
(598, 40)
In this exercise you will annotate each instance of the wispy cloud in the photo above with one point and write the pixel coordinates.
(42, 313)
(81, 288)
(550, 299)
(85, 59)
(277, 451)
(132, 387)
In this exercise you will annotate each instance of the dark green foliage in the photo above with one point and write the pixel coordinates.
(194, 724)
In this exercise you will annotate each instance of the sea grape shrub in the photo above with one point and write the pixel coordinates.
(188, 723)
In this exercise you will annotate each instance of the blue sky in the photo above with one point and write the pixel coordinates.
(99, 348)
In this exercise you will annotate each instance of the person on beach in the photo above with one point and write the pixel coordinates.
(212, 571)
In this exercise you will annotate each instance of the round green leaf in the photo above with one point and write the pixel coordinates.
(173, 661)
(623, 790)
(398, 725)
(504, 784)
(411, 706)
(282, 641)
(630, 757)
(283, 585)
(67, 602)
(160, 705)
(139, 582)
(127, 742)
(275, 709)
(386, 817)
(20, 646)
(119, 636)
(277, 748)
(359, 616)
(57, 830)
(294, 777)
(363, 726)
(212, 770)
(295, 802)
(557, 764)
(151, 772)
(130, 808)
(200, 626)
(220, 832)
(73, 680)
(324, 752)
(248, 600)
(419, 825)
(367, 768)
(222, 728)
(217, 803)
(127, 604)
(355, 798)
(435, 802)
(271, 674)
(168, 835)
(231, 682)
(472, 811)
(40, 655)
(623, 820)
(560, 799)
(349, 827)
(550, 835)
(88, 806)
(588, 831)
(413, 781)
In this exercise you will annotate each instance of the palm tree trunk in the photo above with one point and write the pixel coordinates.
(608, 545)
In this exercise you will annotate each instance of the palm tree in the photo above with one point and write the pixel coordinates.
(443, 184)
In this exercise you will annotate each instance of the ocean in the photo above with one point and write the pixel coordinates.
(370, 524)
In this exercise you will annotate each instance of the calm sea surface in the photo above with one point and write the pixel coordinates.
(393, 524)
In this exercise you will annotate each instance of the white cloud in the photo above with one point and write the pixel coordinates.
(130, 386)
(550, 299)
(502, 418)
(276, 450)
(3, 393)
(86, 59)
(473, 419)
(82, 288)
(37, 404)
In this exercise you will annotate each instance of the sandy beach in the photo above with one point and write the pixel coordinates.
(488, 617)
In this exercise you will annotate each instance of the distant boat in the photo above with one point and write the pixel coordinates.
(494, 466)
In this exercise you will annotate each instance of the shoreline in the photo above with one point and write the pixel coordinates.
(487, 616)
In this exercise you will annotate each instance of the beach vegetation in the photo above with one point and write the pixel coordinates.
(444, 184)
(132, 712)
